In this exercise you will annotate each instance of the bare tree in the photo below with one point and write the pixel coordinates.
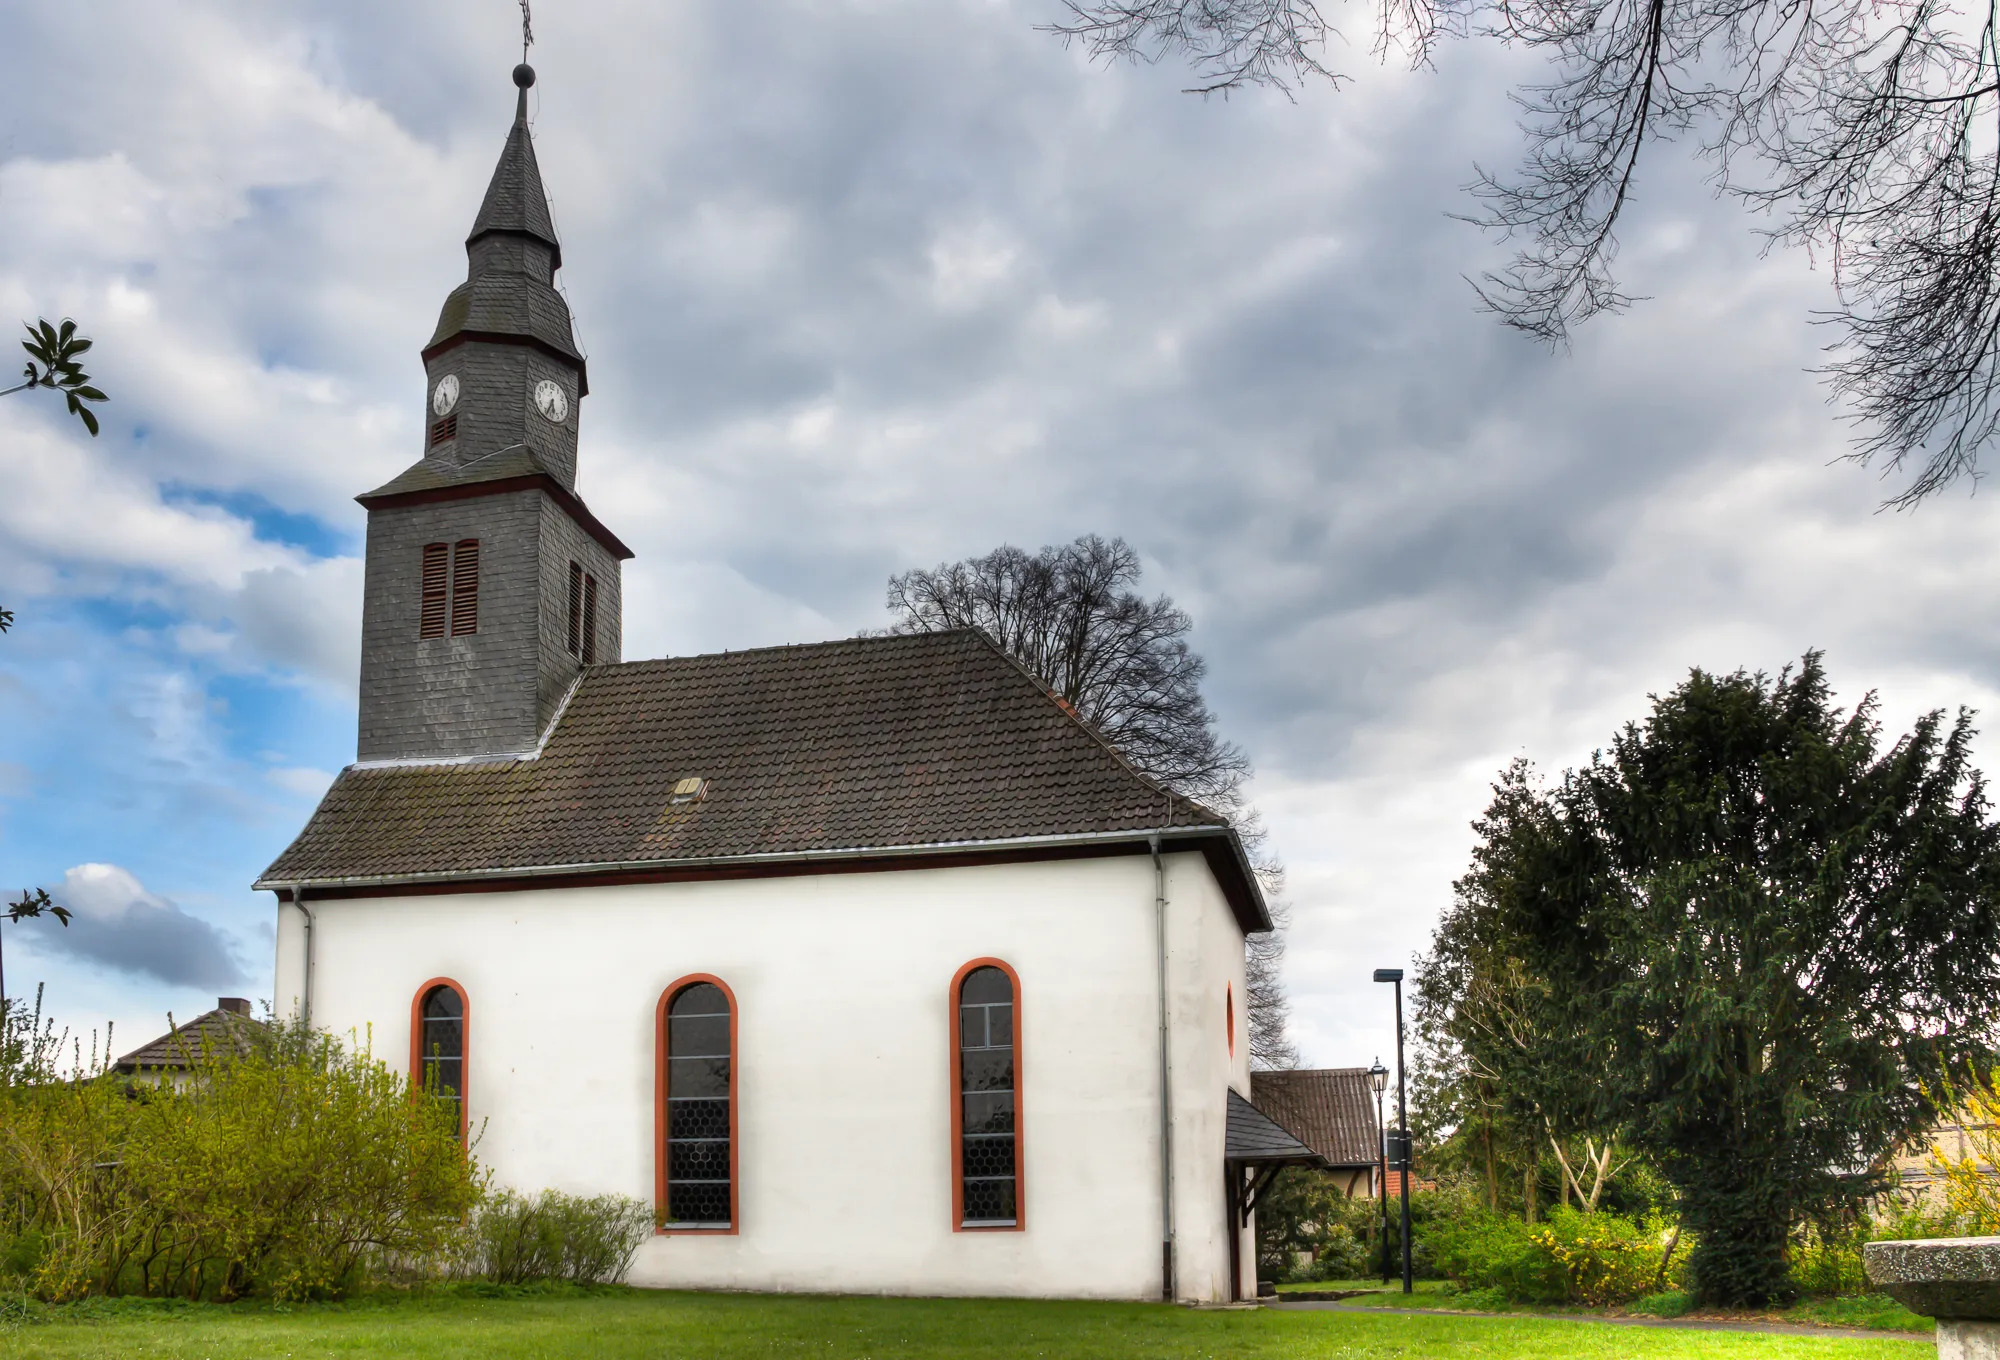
(1070, 615)
(1863, 129)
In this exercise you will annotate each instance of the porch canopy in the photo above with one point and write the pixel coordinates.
(1253, 1148)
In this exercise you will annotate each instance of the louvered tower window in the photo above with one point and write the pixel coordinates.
(986, 1103)
(465, 587)
(575, 609)
(700, 1109)
(436, 581)
(582, 615)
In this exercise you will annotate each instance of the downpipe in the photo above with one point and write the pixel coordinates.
(1169, 1289)
(306, 999)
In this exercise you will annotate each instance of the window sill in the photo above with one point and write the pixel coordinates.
(975, 1224)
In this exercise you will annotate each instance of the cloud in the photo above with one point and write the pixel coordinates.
(871, 284)
(121, 925)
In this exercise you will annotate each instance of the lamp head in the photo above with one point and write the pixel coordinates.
(1388, 975)
(1378, 1077)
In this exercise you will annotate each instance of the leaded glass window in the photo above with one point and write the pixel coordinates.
(987, 1167)
(441, 1046)
(698, 1108)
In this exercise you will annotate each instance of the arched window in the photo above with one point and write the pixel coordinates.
(986, 1096)
(437, 1042)
(696, 1176)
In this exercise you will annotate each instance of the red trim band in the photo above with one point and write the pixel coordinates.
(674, 989)
(464, 1047)
(1020, 1222)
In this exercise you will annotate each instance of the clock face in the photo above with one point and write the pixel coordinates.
(551, 401)
(445, 395)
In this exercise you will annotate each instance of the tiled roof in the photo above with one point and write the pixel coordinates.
(227, 1026)
(928, 740)
(1252, 1136)
(1331, 1108)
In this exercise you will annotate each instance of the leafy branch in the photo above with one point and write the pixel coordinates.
(33, 902)
(52, 363)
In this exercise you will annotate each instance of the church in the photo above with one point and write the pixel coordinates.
(865, 963)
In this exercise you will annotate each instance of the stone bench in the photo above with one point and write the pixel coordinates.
(1953, 1279)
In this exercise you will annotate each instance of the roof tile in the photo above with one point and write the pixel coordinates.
(926, 739)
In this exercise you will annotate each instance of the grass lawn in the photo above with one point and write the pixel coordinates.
(616, 1324)
(1875, 1311)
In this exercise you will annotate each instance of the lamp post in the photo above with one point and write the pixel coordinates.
(1401, 1148)
(1378, 1077)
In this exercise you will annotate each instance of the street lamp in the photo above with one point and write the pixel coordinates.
(1399, 1150)
(1378, 1077)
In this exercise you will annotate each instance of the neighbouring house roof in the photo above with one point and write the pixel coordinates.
(932, 741)
(213, 1031)
(1392, 1184)
(1253, 1137)
(1330, 1109)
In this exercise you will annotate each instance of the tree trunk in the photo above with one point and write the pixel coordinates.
(1741, 1221)
(1492, 1173)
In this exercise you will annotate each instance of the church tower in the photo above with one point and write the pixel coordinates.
(489, 584)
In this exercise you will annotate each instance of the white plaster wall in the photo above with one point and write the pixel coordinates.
(1205, 958)
(844, 1075)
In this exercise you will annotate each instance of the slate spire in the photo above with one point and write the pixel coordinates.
(515, 201)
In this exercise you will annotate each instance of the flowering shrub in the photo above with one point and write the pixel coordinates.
(1971, 1191)
(1596, 1259)
(1603, 1258)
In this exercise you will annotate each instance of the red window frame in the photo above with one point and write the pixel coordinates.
(958, 1223)
(464, 1047)
(674, 989)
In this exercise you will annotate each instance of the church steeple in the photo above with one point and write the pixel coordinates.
(489, 583)
(515, 201)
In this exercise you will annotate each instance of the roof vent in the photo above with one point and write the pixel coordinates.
(690, 790)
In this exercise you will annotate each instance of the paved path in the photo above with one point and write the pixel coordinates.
(1689, 1324)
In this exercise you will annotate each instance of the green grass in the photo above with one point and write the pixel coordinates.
(1877, 1312)
(630, 1324)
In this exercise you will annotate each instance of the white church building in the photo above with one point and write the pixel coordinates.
(865, 962)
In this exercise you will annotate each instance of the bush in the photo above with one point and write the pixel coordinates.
(1303, 1214)
(1671, 1304)
(1594, 1259)
(1826, 1258)
(518, 1238)
(288, 1169)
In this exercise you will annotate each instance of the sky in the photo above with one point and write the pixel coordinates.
(868, 285)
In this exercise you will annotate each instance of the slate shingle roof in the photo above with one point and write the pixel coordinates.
(1252, 1136)
(515, 200)
(1331, 1109)
(506, 304)
(929, 740)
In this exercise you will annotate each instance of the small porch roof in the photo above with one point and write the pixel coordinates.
(1253, 1138)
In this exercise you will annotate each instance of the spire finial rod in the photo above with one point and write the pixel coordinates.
(524, 74)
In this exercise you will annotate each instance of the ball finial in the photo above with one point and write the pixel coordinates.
(524, 75)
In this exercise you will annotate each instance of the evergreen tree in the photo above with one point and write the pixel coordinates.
(1760, 938)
